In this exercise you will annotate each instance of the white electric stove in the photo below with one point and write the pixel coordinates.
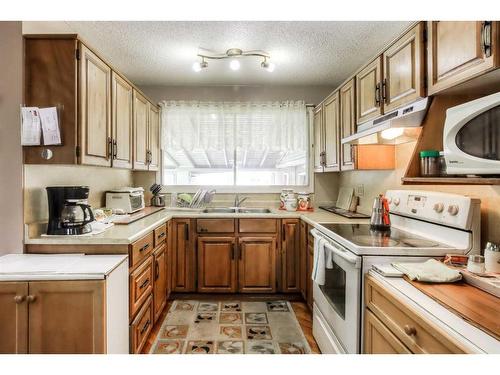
(424, 225)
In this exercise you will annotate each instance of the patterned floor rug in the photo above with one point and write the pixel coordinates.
(230, 327)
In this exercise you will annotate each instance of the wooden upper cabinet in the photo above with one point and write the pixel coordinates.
(290, 260)
(95, 109)
(122, 124)
(13, 318)
(154, 138)
(141, 114)
(318, 138)
(67, 317)
(257, 264)
(331, 133)
(183, 256)
(368, 92)
(347, 124)
(217, 264)
(459, 50)
(404, 70)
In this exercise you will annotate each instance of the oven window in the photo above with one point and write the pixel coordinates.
(334, 289)
(480, 136)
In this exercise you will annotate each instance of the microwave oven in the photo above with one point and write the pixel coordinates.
(128, 200)
(471, 137)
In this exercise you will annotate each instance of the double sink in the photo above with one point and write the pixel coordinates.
(238, 210)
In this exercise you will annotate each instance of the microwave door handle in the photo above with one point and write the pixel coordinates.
(344, 254)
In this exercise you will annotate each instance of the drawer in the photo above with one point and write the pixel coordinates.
(258, 226)
(141, 249)
(141, 285)
(160, 234)
(417, 332)
(141, 327)
(215, 225)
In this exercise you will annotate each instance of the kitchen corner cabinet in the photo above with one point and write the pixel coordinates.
(368, 92)
(318, 138)
(460, 50)
(53, 317)
(347, 126)
(146, 134)
(183, 256)
(290, 255)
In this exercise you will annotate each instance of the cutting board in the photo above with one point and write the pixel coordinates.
(128, 219)
(478, 307)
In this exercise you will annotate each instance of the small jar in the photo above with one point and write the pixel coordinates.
(442, 164)
(291, 204)
(285, 194)
(304, 202)
(476, 264)
(429, 163)
(492, 258)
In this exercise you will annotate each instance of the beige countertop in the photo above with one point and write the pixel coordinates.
(126, 234)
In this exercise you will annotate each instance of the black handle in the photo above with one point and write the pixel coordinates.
(157, 270)
(161, 235)
(115, 149)
(110, 147)
(233, 249)
(86, 210)
(384, 90)
(377, 94)
(144, 284)
(186, 232)
(145, 327)
(284, 233)
(144, 248)
(240, 253)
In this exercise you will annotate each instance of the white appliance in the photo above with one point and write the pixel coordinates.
(471, 138)
(425, 224)
(128, 199)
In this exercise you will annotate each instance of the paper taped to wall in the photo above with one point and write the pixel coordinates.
(30, 126)
(50, 126)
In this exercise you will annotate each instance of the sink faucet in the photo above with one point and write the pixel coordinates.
(238, 201)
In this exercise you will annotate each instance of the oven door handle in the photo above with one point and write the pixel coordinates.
(344, 254)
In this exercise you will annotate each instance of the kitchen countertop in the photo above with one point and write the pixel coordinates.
(472, 337)
(126, 234)
(31, 267)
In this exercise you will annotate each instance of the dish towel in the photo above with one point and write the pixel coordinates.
(431, 271)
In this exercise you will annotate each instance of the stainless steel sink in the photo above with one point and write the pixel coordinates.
(254, 210)
(231, 210)
(219, 210)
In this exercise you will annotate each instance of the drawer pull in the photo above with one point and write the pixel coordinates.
(145, 327)
(143, 248)
(410, 330)
(18, 299)
(203, 230)
(161, 235)
(144, 284)
(30, 298)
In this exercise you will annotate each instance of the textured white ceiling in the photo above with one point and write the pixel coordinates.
(305, 53)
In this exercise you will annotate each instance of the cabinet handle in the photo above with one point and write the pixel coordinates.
(283, 232)
(157, 270)
(240, 253)
(233, 250)
(145, 327)
(377, 95)
(384, 90)
(486, 38)
(115, 149)
(110, 147)
(410, 330)
(144, 248)
(186, 232)
(31, 298)
(18, 299)
(144, 284)
(161, 235)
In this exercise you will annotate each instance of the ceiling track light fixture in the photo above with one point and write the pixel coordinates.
(234, 54)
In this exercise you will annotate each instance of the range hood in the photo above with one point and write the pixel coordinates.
(399, 126)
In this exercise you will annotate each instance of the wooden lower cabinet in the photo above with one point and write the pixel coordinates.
(183, 256)
(141, 286)
(303, 259)
(378, 339)
(13, 318)
(310, 262)
(290, 255)
(257, 264)
(217, 264)
(160, 280)
(141, 327)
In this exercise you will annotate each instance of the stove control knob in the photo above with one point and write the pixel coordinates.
(453, 210)
(439, 207)
(397, 201)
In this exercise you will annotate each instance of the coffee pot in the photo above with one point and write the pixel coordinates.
(380, 219)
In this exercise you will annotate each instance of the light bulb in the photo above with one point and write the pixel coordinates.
(234, 64)
(392, 133)
(197, 67)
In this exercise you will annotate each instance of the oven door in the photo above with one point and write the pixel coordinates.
(339, 300)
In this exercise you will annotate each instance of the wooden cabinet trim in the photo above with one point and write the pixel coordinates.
(14, 317)
(347, 124)
(290, 259)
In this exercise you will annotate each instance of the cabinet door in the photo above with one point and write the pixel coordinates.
(458, 51)
(216, 264)
(347, 124)
(331, 133)
(13, 318)
(121, 104)
(378, 339)
(290, 260)
(404, 70)
(95, 109)
(318, 138)
(310, 263)
(368, 92)
(303, 259)
(183, 256)
(141, 114)
(67, 317)
(257, 264)
(154, 138)
(160, 281)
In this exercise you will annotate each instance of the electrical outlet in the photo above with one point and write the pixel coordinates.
(359, 190)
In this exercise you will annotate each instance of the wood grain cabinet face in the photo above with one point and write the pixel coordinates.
(95, 109)
(67, 317)
(368, 92)
(257, 264)
(13, 318)
(141, 285)
(331, 112)
(160, 281)
(458, 51)
(217, 264)
(154, 138)
(318, 138)
(404, 70)
(122, 121)
(303, 259)
(141, 114)
(290, 260)
(378, 339)
(183, 256)
(347, 124)
(141, 327)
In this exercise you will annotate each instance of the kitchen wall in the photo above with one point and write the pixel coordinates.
(376, 182)
(11, 170)
(37, 177)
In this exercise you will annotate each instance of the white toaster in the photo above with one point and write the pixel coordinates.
(128, 199)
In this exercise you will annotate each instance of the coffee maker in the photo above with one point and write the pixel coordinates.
(69, 212)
